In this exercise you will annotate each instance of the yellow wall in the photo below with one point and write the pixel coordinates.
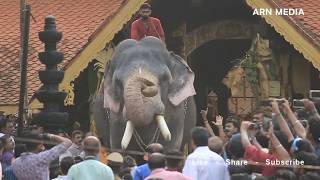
(300, 75)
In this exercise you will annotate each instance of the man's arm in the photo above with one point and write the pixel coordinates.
(206, 122)
(297, 126)
(244, 133)
(160, 31)
(134, 31)
(53, 153)
(277, 146)
(282, 123)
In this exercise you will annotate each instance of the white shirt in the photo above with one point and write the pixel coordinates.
(204, 164)
(60, 177)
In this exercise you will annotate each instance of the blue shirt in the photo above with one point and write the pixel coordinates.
(142, 172)
(8, 174)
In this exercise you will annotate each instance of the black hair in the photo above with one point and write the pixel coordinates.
(125, 174)
(129, 161)
(155, 147)
(145, 6)
(174, 157)
(262, 140)
(314, 128)
(233, 121)
(32, 140)
(285, 175)
(310, 176)
(156, 160)
(200, 136)
(65, 164)
(235, 146)
(308, 158)
(240, 176)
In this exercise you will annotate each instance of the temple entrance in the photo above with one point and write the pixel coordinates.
(211, 62)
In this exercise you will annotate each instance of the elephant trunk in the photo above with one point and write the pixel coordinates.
(139, 97)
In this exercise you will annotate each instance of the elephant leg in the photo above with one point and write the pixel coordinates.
(190, 120)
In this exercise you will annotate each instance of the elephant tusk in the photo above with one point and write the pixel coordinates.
(163, 127)
(127, 135)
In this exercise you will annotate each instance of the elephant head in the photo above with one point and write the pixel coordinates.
(143, 79)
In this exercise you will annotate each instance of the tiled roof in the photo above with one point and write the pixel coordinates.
(310, 21)
(78, 21)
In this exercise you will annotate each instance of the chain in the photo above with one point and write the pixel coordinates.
(141, 143)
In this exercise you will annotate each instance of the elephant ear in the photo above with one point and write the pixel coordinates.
(181, 86)
(112, 91)
(110, 100)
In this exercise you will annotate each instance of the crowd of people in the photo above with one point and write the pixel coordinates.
(282, 143)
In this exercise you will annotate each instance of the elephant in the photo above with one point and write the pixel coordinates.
(149, 94)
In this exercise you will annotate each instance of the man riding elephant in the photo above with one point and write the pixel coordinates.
(149, 92)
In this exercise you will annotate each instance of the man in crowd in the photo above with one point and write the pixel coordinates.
(65, 165)
(175, 160)
(143, 171)
(157, 163)
(216, 145)
(231, 127)
(146, 25)
(202, 163)
(6, 126)
(90, 168)
(34, 164)
(76, 148)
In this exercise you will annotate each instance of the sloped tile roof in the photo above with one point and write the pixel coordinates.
(310, 21)
(78, 21)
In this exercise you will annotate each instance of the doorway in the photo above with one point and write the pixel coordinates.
(211, 62)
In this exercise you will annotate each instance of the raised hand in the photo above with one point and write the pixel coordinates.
(219, 121)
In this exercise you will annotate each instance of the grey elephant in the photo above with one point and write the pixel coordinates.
(149, 92)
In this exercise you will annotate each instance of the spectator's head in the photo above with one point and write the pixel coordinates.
(240, 176)
(8, 142)
(231, 126)
(91, 146)
(6, 126)
(199, 136)
(125, 174)
(153, 148)
(77, 137)
(129, 161)
(65, 165)
(285, 175)
(299, 145)
(314, 130)
(216, 145)
(115, 161)
(175, 160)
(308, 159)
(283, 139)
(145, 10)
(34, 142)
(310, 176)
(257, 117)
(235, 147)
(157, 160)
(78, 159)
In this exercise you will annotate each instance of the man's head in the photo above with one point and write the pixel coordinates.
(34, 142)
(284, 174)
(257, 117)
(77, 137)
(115, 161)
(91, 145)
(235, 147)
(231, 127)
(175, 160)
(145, 11)
(216, 145)
(199, 136)
(65, 164)
(153, 148)
(8, 142)
(6, 126)
(157, 160)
